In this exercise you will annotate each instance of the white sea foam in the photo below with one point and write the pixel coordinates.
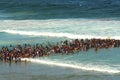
(70, 24)
(70, 28)
(52, 34)
(97, 68)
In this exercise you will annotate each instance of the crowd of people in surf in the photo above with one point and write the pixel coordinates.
(64, 47)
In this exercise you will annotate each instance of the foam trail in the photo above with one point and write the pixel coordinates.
(83, 67)
(52, 34)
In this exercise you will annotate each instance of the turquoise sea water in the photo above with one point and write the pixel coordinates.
(104, 60)
(103, 64)
(43, 21)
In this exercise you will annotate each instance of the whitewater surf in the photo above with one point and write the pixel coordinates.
(98, 68)
(83, 28)
(35, 22)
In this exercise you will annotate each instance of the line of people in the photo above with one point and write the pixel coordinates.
(64, 47)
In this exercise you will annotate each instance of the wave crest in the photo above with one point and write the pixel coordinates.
(97, 68)
(53, 34)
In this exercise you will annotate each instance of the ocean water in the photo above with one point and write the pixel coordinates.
(43, 21)
(49, 9)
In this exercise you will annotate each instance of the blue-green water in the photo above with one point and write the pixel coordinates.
(49, 9)
(43, 21)
(103, 64)
(103, 60)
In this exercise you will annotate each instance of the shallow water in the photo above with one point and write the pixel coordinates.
(91, 65)
(38, 71)
(43, 21)
(101, 65)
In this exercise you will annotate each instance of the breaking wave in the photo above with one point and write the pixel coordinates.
(53, 34)
(98, 68)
